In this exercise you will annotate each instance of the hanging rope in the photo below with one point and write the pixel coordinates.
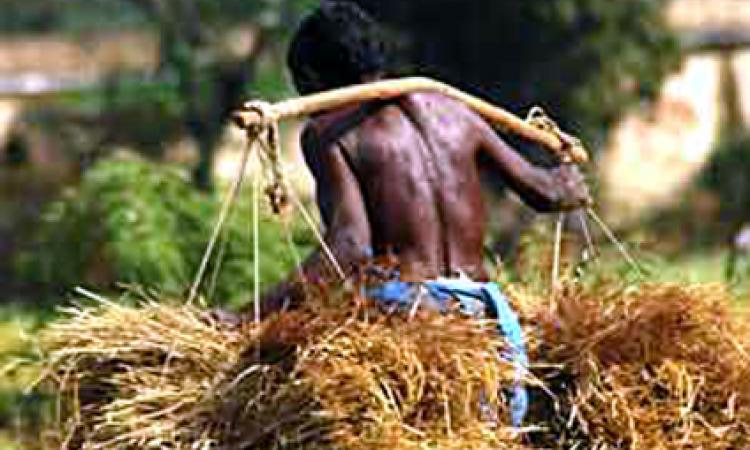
(226, 208)
(557, 252)
(265, 133)
(617, 243)
(262, 136)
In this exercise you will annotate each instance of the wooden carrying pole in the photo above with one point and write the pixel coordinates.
(256, 113)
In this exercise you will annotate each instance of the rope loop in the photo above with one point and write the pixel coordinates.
(538, 118)
(265, 112)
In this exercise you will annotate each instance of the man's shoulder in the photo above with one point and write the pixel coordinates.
(317, 127)
(319, 123)
(427, 103)
(356, 119)
(376, 116)
(433, 99)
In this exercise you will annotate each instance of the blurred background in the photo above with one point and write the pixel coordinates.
(115, 146)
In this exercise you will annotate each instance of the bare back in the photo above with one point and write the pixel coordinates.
(415, 161)
(402, 178)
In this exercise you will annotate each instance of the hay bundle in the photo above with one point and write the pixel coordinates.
(136, 375)
(338, 376)
(658, 366)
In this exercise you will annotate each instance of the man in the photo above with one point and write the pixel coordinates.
(401, 178)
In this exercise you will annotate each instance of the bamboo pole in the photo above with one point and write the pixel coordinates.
(568, 148)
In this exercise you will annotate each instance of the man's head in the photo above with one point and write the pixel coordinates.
(338, 45)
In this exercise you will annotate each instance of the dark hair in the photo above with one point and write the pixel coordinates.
(335, 46)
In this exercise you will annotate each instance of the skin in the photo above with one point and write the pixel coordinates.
(402, 179)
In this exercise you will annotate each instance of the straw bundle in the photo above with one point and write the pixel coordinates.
(329, 376)
(658, 366)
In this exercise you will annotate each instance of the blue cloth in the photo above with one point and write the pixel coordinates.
(475, 299)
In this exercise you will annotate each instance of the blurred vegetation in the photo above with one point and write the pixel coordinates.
(210, 84)
(586, 61)
(199, 81)
(45, 16)
(726, 176)
(605, 56)
(136, 222)
(126, 112)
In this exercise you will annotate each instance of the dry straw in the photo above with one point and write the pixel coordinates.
(658, 366)
(327, 376)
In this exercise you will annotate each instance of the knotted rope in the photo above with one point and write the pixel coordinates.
(263, 137)
(264, 134)
(538, 118)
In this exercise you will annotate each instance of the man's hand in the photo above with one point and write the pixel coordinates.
(572, 188)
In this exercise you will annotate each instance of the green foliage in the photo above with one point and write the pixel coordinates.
(586, 61)
(209, 84)
(22, 413)
(137, 222)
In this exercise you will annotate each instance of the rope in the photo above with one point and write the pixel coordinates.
(278, 191)
(213, 282)
(538, 118)
(262, 134)
(557, 253)
(226, 207)
(590, 246)
(256, 249)
(326, 249)
(266, 132)
(619, 245)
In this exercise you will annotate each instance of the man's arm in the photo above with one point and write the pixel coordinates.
(347, 232)
(341, 205)
(556, 189)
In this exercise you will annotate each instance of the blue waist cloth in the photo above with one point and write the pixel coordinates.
(474, 299)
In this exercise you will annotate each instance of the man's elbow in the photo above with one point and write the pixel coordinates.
(544, 195)
(353, 249)
(349, 247)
